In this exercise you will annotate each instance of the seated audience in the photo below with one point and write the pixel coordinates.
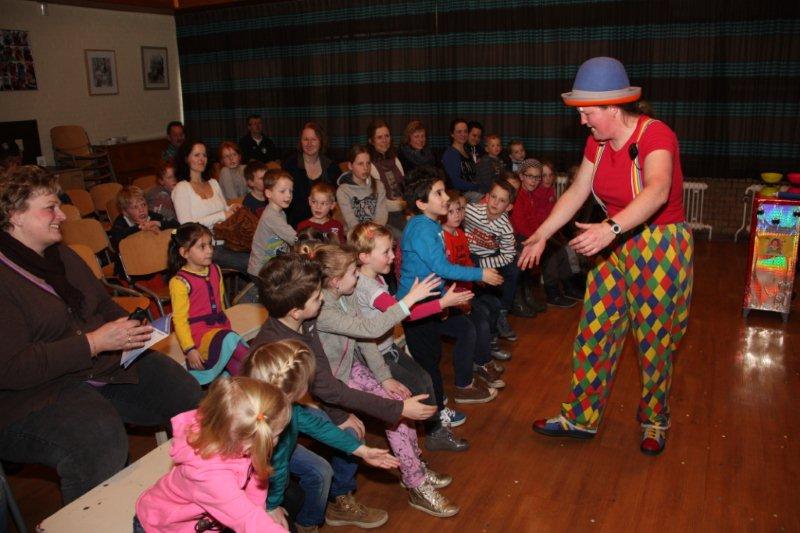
(414, 151)
(255, 199)
(159, 197)
(198, 198)
(231, 175)
(274, 235)
(64, 396)
(490, 167)
(386, 168)
(256, 145)
(309, 166)
(458, 164)
(135, 216)
(176, 136)
(361, 197)
(516, 155)
(473, 147)
(323, 201)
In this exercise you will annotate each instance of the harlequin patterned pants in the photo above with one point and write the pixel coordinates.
(643, 284)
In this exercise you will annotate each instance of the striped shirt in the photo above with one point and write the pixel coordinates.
(491, 240)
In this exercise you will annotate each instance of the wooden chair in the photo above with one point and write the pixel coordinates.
(72, 212)
(144, 254)
(131, 299)
(72, 148)
(145, 182)
(273, 165)
(344, 167)
(101, 194)
(112, 210)
(90, 232)
(238, 200)
(82, 200)
(70, 179)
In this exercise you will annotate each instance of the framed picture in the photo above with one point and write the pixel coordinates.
(101, 72)
(16, 62)
(155, 67)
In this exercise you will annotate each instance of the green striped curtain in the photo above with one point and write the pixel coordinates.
(724, 75)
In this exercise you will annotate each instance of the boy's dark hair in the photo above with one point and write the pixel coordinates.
(287, 282)
(184, 237)
(252, 167)
(474, 124)
(173, 124)
(418, 186)
(506, 186)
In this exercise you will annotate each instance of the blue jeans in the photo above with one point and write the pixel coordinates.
(315, 476)
(344, 468)
(485, 310)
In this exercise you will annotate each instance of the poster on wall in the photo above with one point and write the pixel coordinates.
(16, 62)
(101, 72)
(155, 67)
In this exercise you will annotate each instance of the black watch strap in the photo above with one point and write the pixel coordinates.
(614, 226)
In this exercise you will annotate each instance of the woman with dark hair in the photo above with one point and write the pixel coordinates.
(63, 394)
(306, 167)
(414, 151)
(643, 277)
(198, 198)
(458, 165)
(386, 167)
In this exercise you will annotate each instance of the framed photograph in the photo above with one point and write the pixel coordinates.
(16, 62)
(101, 72)
(155, 67)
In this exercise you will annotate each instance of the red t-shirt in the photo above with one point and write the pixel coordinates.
(531, 209)
(331, 226)
(612, 181)
(456, 247)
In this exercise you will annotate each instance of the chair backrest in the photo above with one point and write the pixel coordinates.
(238, 200)
(70, 139)
(145, 253)
(344, 167)
(72, 212)
(112, 210)
(145, 182)
(273, 165)
(89, 258)
(82, 200)
(102, 193)
(86, 231)
(71, 179)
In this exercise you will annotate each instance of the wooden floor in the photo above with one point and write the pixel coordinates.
(732, 460)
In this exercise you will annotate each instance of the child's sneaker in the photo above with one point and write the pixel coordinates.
(477, 392)
(435, 479)
(429, 500)
(451, 417)
(346, 511)
(489, 375)
(497, 352)
(442, 439)
(504, 328)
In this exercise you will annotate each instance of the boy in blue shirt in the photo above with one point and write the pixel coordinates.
(423, 252)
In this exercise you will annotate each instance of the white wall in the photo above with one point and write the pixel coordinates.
(58, 42)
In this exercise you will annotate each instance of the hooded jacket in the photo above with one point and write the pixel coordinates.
(224, 488)
(359, 204)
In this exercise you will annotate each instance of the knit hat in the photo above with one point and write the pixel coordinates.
(528, 163)
(601, 81)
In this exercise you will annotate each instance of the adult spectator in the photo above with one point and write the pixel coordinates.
(64, 396)
(458, 164)
(175, 135)
(308, 166)
(386, 167)
(414, 151)
(256, 145)
(474, 146)
(198, 198)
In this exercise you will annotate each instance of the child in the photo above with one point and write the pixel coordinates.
(255, 199)
(159, 198)
(349, 339)
(232, 179)
(491, 241)
(220, 454)
(361, 198)
(135, 216)
(196, 289)
(290, 289)
(289, 365)
(322, 201)
(374, 246)
(423, 254)
(486, 305)
(273, 235)
(490, 167)
(516, 154)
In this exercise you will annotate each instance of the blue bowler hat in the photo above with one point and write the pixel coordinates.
(601, 81)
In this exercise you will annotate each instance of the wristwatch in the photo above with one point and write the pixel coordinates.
(614, 226)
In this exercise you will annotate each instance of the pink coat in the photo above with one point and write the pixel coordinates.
(221, 487)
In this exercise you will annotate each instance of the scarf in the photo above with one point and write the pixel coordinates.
(50, 268)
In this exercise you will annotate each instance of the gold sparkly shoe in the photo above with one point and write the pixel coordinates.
(429, 500)
(435, 479)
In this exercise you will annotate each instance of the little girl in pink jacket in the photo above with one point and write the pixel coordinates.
(221, 462)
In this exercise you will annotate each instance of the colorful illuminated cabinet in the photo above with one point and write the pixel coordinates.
(773, 255)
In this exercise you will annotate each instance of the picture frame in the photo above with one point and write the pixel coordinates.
(101, 72)
(155, 68)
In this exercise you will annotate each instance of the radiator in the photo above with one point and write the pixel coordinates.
(693, 198)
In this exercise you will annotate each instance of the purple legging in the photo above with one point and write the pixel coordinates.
(402, 438)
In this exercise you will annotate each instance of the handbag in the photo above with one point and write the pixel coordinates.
(237, 230)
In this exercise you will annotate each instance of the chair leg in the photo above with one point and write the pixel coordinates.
(161, 438)
(7, 500)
